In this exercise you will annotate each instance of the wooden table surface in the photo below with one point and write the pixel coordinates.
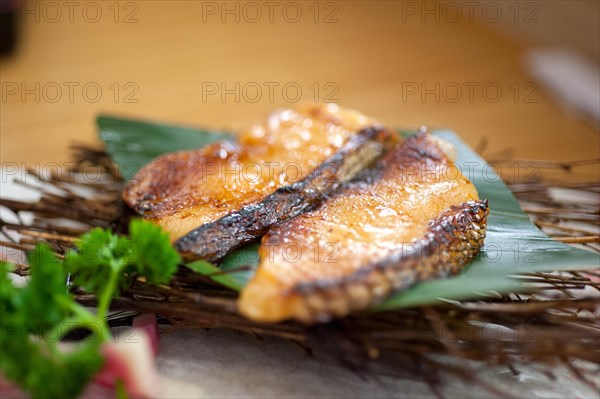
(177, 61)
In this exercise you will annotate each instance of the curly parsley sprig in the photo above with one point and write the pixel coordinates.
(34, 318)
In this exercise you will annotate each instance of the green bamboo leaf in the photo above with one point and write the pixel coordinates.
(513, 245)
(216, 274)
(133, 143)
(235, 270)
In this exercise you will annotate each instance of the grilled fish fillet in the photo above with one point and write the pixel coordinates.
(214, 199)
(412, 217)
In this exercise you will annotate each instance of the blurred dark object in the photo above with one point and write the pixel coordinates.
(9, 20)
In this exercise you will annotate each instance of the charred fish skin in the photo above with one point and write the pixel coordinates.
(411, 217)
(214, 240)
(452, 240)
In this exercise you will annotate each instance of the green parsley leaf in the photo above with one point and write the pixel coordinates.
(10, 301)
(46, 371)
(102, 254)
(31, 317)
(155, 257)
(99, 254)
(34, 318)
(47, 285)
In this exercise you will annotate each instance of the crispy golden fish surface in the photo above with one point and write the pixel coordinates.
(412, 217)
(214, 199)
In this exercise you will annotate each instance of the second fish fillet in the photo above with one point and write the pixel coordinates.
(411, 218)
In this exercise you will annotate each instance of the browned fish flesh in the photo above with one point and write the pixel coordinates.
(217, 198)
(412, 217)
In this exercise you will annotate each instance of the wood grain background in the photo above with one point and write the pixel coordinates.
(392, 62)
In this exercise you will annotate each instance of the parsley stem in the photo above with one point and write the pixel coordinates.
(81, 319)
(88, 318)
(108, 291)
(120, 390)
